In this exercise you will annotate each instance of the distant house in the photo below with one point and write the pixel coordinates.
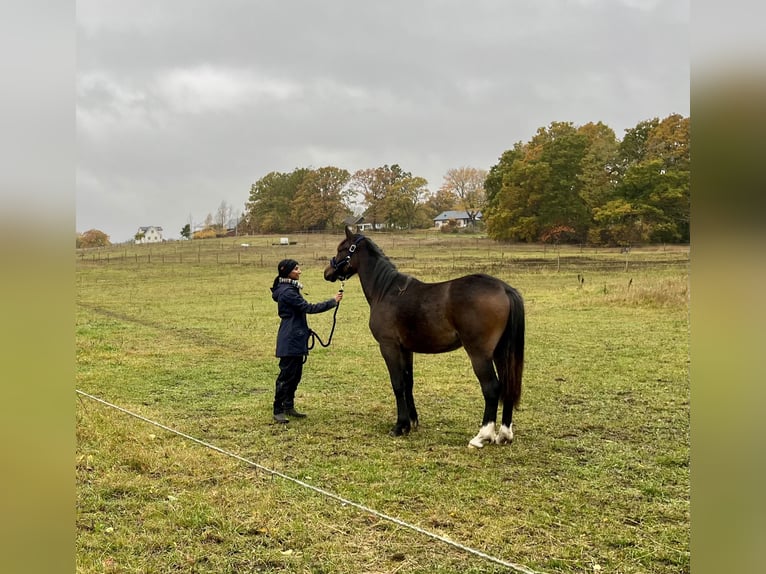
(460, 218)
(150, 234)
(355, 222)
(358, 222)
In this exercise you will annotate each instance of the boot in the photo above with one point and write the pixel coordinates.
(281, 418)
(293, 413)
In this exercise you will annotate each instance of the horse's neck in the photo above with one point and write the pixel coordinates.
(377, 277)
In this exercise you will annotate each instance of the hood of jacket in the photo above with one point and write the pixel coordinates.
(281, 288)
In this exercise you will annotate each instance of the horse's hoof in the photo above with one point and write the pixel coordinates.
(399, 431)
(486, 435)
(505, 436)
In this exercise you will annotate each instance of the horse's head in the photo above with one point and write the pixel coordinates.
(342, 266)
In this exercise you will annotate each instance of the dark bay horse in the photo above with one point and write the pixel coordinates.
(480, 313)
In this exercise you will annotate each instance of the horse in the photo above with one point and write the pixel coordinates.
(480, 313)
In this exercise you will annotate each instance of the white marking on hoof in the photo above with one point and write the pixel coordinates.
(505, 436)
(486, 435)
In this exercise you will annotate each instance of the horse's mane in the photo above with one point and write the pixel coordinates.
(378, 252)
(385, 270)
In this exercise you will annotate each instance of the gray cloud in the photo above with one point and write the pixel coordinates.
(182, 105)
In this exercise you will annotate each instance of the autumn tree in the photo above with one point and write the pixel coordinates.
(493, 183)
(442, 200)
(512, 215)
(598, 175)
(369, 186)
(651, 202)
(92, 238)
(404, 203)
(633, 147)
(268, 207)
(373, 186)
(321, 199)
(540, 188)
(467, 185)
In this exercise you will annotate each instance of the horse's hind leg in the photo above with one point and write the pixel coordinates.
(490, 388)
(505, 434)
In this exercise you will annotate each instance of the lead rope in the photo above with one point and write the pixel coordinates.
(314, 336)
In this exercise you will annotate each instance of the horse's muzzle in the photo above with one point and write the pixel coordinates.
(331, 274)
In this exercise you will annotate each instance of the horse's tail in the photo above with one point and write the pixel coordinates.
(509, 353)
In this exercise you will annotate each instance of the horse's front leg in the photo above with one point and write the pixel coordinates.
(397, 363)
(409, 382)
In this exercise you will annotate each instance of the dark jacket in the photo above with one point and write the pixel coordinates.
(293, 335)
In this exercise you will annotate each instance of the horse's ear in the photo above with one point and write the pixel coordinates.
(349, 233)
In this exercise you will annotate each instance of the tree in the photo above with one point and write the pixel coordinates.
(494, 181)
(369, 185)
(633, 147)
(403, 203)
(442, 200)
(268, 207)
(92, 238)
(598, 175)
(539, 187)
(670, 141)
(320, 201)
(618, 222)
(467, 184)
(513, 214)
(651, 200)
(186, 231)
(374, 186)
(222, 216)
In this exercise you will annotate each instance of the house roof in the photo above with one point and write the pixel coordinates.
(148, 227)
(447, 215)
(354, 220)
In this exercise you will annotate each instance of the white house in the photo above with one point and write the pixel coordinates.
(151, 234)
(358, 222)
(459, 217)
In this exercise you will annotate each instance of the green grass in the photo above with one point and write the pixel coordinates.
(597, 478)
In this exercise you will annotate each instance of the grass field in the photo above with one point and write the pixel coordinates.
(597, 479)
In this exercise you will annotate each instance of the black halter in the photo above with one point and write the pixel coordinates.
(344, 263)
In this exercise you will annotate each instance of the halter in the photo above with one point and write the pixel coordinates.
(335, 264)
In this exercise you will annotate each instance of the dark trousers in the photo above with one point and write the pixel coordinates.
(290, 372)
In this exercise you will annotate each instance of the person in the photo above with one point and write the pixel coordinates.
(293, 335)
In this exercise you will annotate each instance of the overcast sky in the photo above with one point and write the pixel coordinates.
(182, 105)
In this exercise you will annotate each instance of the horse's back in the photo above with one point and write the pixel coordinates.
(478, 289)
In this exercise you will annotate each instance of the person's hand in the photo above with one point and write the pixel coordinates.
(338, 296)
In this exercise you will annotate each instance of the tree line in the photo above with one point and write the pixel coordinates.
(567, 183)
(582, 184)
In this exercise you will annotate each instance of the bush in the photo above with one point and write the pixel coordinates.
(92, 238)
